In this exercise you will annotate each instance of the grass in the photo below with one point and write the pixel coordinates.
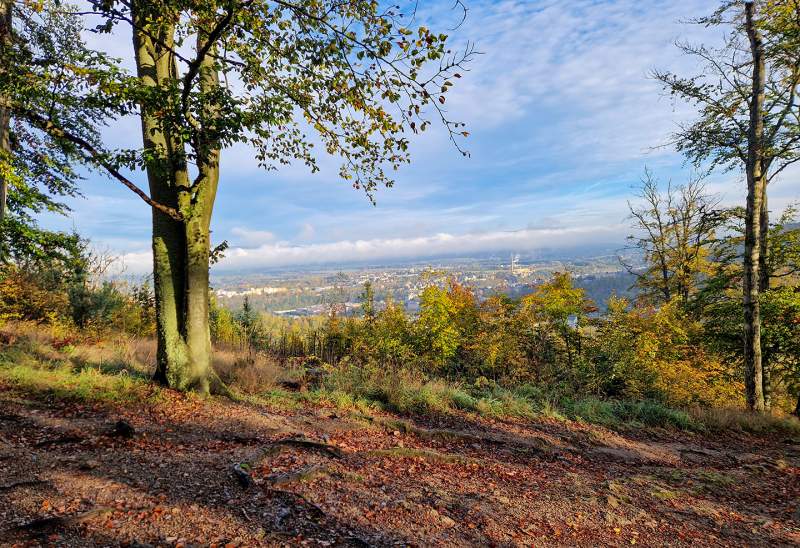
(63, 378)
(635, 414)
(407, 393)
(722, 419)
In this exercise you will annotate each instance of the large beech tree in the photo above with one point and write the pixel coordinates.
(748, 120)
(284, 76)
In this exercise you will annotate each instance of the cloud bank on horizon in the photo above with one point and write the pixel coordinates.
(563, 120)
(375, 251)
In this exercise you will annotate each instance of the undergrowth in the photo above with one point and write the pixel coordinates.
(79, 373)
(119, 373)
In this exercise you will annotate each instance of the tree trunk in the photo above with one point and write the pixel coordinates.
(5, 112)
(755, 183)
(180, 248)
(764, 276)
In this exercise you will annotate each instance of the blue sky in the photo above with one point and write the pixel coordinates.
(563, 119)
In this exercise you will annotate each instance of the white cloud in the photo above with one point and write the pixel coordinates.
(437, 245)
(281, 254)
(580, 66)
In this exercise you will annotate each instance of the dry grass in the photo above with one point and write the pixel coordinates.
(44, 359)
(252, 373)
(730, 418)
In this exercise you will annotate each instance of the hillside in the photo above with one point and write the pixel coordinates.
(318, 474)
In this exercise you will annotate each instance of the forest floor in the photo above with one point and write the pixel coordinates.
(325, 477)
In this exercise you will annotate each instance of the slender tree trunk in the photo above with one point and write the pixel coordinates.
(755, 182)
(763, 286)
(5, 112)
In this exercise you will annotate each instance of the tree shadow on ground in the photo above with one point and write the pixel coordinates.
(173, 480)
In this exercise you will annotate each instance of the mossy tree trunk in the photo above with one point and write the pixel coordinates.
(181, 247)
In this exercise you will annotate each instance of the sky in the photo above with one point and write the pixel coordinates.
(563, 118)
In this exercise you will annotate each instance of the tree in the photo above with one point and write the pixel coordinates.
(267, 73)
(47, 73)
(6, 41)
(437, 333)
(558, 307)
(747, 105)
(716, 302)
(367, 299)
(674, 231)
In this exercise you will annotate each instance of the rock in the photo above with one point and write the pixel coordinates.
(89, 464)
(448, 521)
(123, 429)
(748, 458)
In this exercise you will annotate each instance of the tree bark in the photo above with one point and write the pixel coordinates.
(5, 112)
(764, 276)
(755, 184)
(198, 233)
(180, 247)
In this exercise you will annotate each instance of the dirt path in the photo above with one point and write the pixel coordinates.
(67, 480)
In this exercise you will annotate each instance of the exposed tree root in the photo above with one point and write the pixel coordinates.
(242, 474)
(427, 454)
(306, 474)
(242, 470)
(305, 443)
(59, 441)
(218, 388)
(448, 435)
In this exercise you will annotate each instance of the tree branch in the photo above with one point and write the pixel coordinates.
(96, 157)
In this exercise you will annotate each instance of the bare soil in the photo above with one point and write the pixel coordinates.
(345, 479)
